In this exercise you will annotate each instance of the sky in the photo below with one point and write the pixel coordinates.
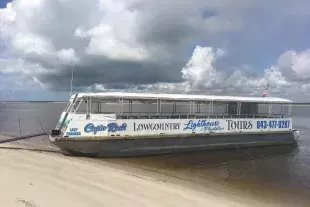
(218, 47)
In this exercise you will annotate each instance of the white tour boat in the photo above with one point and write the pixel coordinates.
(114, 124)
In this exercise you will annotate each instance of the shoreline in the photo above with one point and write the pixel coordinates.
(52, 179)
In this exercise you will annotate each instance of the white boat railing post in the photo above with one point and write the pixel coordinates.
(122, 106)
(117, 108)
(290, 109)
(227, 109)
(191, 106)
(174, 107)
(238, 108)
(130, 106)
(87, 107)
(269, 109)
(237, 112)
(157, 107)
(90, 105)
(198, 107)
(86, 104)
(210, 108)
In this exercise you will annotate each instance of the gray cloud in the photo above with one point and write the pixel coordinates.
(163, 30)
(112, 73)
(145, 44)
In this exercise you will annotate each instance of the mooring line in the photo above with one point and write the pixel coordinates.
(22, 137)
(30, 149)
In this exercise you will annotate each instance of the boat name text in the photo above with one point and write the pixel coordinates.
(111, 127)
(156, 126)
(203, 124)
(232, 125)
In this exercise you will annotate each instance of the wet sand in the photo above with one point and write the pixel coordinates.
(49, 179)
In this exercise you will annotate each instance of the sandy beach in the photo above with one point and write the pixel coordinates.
(32, 179)
(34, 174)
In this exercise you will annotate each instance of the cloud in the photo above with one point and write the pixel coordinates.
(146, 45)
(110, 42)
(296, 66)
(200, 75)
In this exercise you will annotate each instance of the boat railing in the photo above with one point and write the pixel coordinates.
(163, 115)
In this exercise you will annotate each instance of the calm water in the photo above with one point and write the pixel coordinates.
(279, 174)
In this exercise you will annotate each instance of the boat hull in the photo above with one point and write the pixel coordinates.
(131, 146)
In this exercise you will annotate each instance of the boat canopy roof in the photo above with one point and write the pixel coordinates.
(180, 97)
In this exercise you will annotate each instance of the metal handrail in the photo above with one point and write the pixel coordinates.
(185, 115)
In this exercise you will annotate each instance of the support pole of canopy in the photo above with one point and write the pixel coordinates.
(122, 105)
(117, 108)
(227, 109)
(289, 109)
(238, 108)
(157, 107)
(90, 104)
(269, 109)
(87, 105)
(193, 107)
(174, 107)
(211, 108)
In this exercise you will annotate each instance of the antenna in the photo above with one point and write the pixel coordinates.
(72, 77)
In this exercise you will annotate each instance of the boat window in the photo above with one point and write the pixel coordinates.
(280, 110)
(285, 110)
(249, 109)
(80, 107)
(95, 106)
(100, 106)
(232, 108)
(167, 107)
(219, 108)
(103, 107)
(143, 107)
(182, 107)
(264, 110)
(204, 107)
